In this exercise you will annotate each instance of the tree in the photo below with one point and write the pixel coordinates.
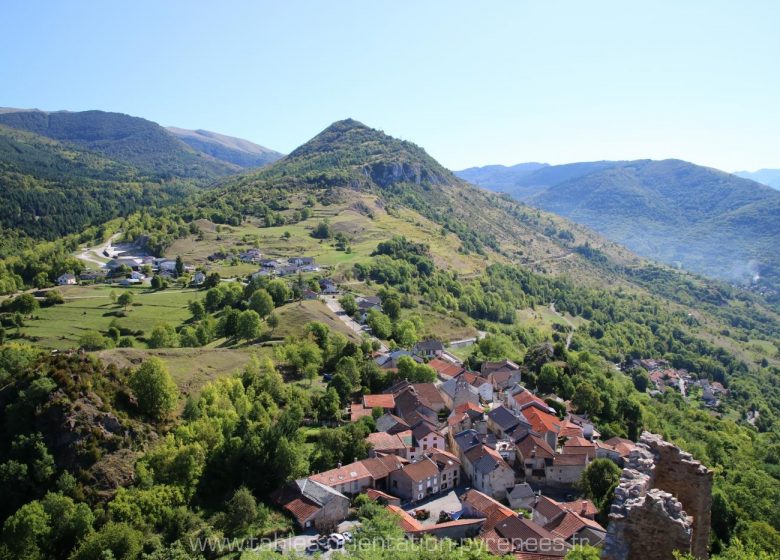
(188, 338)
(241, 509)
(179, 266)
(322, 230)
(26, 304)
(117, 541)
(380, 324)
(348, 304)
(125, 300)
(279, 291)
(329, 408)
(249, 325)
(53, 297)
(392, 307)
(27, 532)
(163, 336)
(197, 310)
(273, 321)
(584, 552)
(228, 323)
(586, 398)
(212, 280)
(320, 332)
(92, 340)
(600, 476)
(261, 302)
(405, 333)
(158, 282)
(415, 372)
(549, 378)
(154, 388)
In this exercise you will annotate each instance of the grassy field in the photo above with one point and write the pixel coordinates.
(441, 326)
(363, 231)
(191, 368)
(91, 308)
(294, 316)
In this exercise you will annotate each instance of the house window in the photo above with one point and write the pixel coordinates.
(425, 446)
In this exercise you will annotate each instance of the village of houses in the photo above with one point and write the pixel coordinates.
(474, 454)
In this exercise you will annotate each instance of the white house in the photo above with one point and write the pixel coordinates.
(66, 280)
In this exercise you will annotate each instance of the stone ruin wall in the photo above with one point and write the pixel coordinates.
(661, 504)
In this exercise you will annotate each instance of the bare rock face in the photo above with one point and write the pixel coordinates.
(662, 504)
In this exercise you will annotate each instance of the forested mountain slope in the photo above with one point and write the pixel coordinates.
(49, 189)
(131, 140)
(676, 212)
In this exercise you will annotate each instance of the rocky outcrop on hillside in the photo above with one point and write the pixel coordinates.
(662, 504)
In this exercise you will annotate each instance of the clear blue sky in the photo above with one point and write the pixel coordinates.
(472, 82)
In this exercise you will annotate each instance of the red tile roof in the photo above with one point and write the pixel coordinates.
(621, 445)
(535, 446)
(542, 422)
(548, 508)
(445, 368)
(527, 397)
(583, 507)
(358, 411)
(342, 475)
(570, 459)
(376, 495)
(301, 509)
(569, 524)
(380, 467)
(493, 511)
(385, 442)
(381, 401)
(420, 470)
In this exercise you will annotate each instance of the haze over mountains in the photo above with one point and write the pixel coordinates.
(673, 211)
(770, 177)
(226, 148)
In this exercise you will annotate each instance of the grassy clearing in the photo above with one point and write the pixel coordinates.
(294, 316)
(191, 368)
(91, 308)
(364, 232)
(442, 326)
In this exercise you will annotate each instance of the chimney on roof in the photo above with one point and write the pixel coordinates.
(584, 507)
(338, 465)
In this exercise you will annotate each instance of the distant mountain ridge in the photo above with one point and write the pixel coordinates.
(123, 138)
(769, 177)
(226, 148)
(706, 220)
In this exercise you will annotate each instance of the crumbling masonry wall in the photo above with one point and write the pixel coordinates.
(662, 504)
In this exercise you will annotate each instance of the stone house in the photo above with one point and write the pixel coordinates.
(488, 471)
(566, 470)
(312, 504)
(416, 481)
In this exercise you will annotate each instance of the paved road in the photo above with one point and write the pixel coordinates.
(90, 254)
(333, 304)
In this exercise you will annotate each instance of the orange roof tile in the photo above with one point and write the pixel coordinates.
(342, 475)
(358, 411)
(445, 368)
(542, 422)
(380, 401)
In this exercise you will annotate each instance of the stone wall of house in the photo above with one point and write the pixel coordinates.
(662, 504)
